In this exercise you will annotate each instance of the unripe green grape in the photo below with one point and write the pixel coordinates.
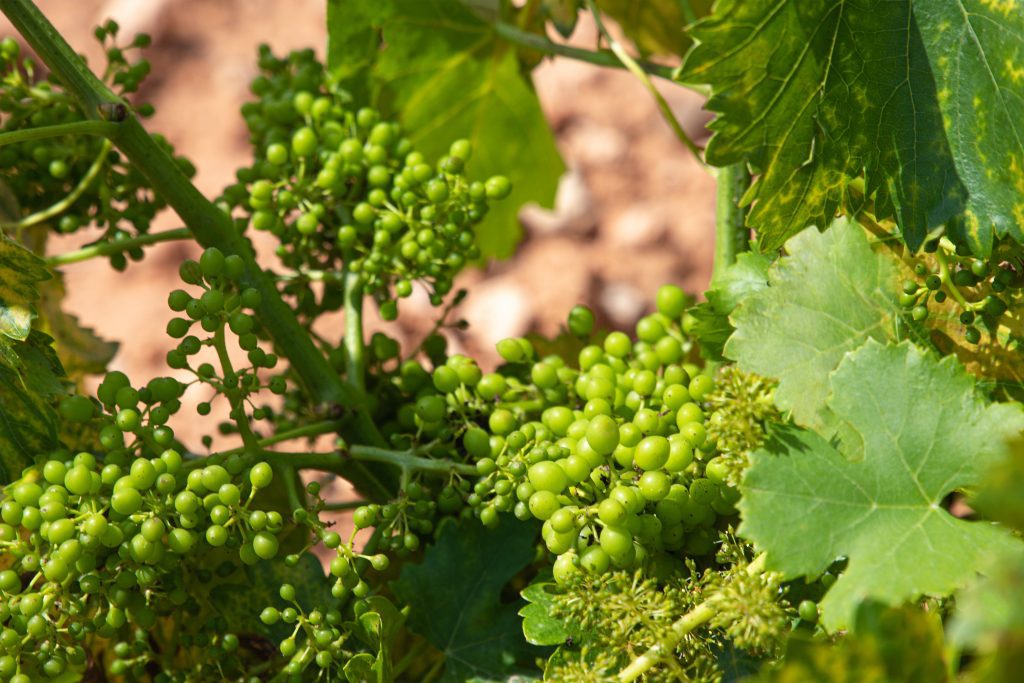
(180, 541)
(581, 321)
(265, 545)
(304, 142)
(808, 611)
(364, 517)
(703, 491)
(555, 541)
(277, 154)
(127, 501)
(563, 520)
(649, 329)
(654, 485)
(431, 408)
(548, 476)
(603, 434)
(680, 454)
(497, 187)
(694, 432)
(127, 420)
(77, 409)
(701, 386)
(501, 422)
(216, 535)
(543, 504)
(510, 350)
(211, 262)
(618, 544)
(611, 512)
(564, 568)
(142, 474)
(670, 301)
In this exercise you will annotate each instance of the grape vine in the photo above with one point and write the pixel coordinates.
(815, 474)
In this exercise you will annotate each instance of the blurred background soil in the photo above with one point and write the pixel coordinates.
(635, 209)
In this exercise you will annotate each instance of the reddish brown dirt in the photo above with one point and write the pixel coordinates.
(634, 211)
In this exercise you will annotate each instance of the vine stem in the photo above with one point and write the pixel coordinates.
(407, 460)
(634, 67)
(116, 246)
(355, 348)
(209, 225)
(947, 280)
(88, 127)
(731, 234)
(698, 616)
(514, 34)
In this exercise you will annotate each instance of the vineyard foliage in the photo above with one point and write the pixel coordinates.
(814, 472)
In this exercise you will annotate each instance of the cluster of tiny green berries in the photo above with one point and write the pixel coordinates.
(341, 186)
(74, 181)
(223, 305)
(981, 288)
(96, 548)
(612, 455)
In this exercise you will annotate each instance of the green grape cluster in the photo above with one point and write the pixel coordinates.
(740, 406)
(223, 305)
(74, 181)
(982, 288)
(613, 456)
(340, 186)
(97, 547)
(322, 642)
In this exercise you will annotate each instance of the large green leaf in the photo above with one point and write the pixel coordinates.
(20, 270)
(442, 69)
(814, 93)
(655, 26)
(976, 48)
(30, 382)
(81, 350)
(455, 599)
(926, 433)
(825, 299)
(744, 278)
(902, 645)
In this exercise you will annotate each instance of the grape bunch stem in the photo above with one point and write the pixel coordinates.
(695, 618)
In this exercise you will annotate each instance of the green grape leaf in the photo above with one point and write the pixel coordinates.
(30, 383)
(1001, 494)
(81, 350)
(563, 15)
(20, 270)
(903, 645)
(539, 626)
(359, 668)
(926, 432)
(249, 589)
(455, 599)
(816, 93)
(976, 49)
(826, 298)
(376, 627)
(744, 278)
(988, 611)
(10, 208)
(655, 26)
(446, 74)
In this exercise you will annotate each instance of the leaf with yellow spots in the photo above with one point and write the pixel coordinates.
(815, 93)
(976, 48)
